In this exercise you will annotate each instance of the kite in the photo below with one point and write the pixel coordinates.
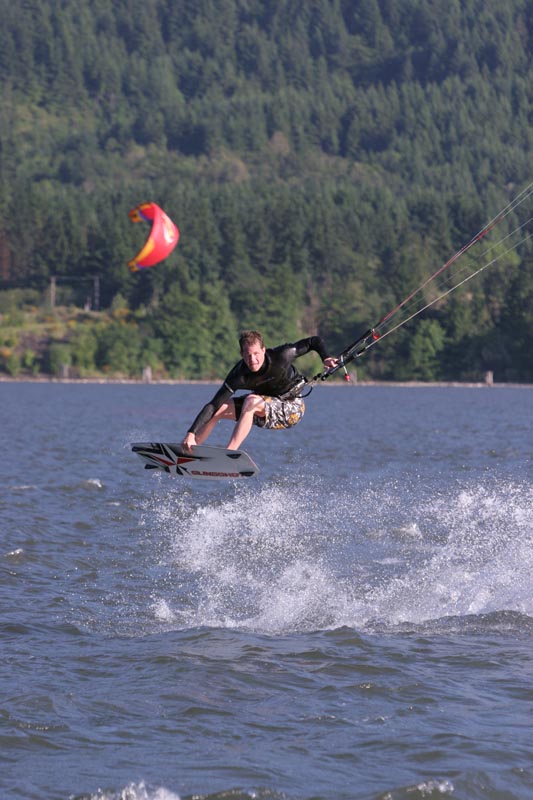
(162, 240)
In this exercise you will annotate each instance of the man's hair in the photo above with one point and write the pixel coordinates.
(249, 338)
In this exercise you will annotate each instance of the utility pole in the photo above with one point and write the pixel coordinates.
(96, 300)
(53, 291)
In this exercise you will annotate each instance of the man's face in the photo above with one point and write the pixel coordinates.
(253, 356)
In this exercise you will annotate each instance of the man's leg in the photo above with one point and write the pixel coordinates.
(226, 411)
(253, 405)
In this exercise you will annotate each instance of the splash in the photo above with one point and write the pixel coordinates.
(134, 791)
(290, 559)
(139, 791)
(482, 561)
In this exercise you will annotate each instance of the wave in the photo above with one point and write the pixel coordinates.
(139, 791)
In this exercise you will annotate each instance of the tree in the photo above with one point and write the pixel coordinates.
(181, 323)
(425, 347)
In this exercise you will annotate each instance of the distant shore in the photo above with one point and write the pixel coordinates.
(186, 382)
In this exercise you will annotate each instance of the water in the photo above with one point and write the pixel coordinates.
(355, 622)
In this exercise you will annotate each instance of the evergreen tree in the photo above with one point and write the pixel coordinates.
(320, 159)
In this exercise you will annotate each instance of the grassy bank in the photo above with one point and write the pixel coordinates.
(69, 342)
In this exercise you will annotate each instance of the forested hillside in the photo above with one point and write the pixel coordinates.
(321, 159)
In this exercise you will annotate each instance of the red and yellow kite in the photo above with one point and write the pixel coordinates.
(162, 240)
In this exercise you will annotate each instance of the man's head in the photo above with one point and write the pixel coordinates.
(252, 349)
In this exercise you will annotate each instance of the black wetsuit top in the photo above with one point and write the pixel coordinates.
(276, 377)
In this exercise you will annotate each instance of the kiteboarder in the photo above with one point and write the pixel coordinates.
(274, 401)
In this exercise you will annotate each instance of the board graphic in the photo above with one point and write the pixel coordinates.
(213, 463)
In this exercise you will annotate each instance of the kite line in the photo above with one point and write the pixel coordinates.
(388, 323)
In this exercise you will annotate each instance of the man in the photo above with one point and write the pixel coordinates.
(270, 375)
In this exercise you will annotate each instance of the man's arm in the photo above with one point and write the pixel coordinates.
(315, 343)
(222, 396)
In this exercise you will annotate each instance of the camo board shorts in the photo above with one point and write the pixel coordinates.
(279, 414)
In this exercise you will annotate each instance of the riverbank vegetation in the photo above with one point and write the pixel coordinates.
(320, 159)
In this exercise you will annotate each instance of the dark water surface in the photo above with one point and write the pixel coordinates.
(355, 622)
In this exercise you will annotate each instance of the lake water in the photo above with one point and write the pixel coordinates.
(356, 622)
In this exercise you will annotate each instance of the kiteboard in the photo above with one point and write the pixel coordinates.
(213, 463)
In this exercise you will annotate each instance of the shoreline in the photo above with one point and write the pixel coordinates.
(214, 382)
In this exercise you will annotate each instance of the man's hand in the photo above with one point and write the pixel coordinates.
(330, 362)
(189, 441)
